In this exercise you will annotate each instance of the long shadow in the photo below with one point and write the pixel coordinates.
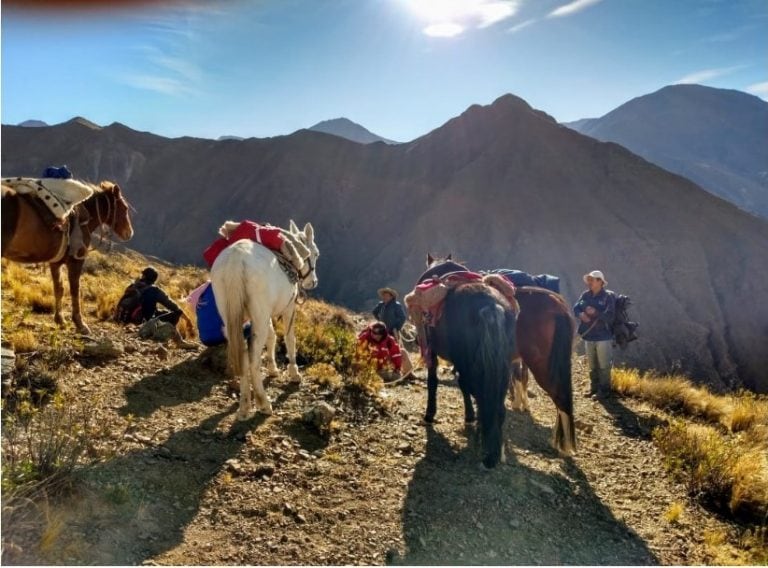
(630, 423)
(455, 513)
(139, 505)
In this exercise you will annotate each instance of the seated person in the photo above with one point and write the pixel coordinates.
(382, 349)
(151, 296)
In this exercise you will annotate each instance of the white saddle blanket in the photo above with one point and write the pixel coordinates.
(60, 195)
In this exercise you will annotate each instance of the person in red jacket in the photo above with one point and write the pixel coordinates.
(376, 343)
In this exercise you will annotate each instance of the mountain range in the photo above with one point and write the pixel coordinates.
(715, 137)
(501, 185)
(345, 128)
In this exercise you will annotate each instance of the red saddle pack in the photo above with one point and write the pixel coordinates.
(267, 235)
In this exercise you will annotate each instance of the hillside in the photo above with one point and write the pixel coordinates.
(173, 479)
(715, 137)
(499, 186)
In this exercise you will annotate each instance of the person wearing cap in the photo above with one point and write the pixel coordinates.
(151, 296)
(595, 311)
(392, 313)
(380, 347)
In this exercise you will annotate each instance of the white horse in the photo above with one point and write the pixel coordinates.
(249, 284)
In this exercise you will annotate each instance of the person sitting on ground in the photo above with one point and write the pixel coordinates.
(151, 296)
(393, 315)
(375, 343)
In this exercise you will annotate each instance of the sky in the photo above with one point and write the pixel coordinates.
(401, 68)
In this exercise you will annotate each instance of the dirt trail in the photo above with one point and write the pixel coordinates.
(187, 484)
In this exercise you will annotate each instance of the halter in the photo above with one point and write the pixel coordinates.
(309, 271)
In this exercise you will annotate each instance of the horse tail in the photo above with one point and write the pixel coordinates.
(491, 372)
(230, 279)
(560, 377)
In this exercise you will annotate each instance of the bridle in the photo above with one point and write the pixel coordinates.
(309, 271)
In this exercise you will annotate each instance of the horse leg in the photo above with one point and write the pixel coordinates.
(58, 293)
(244, 410)
(519, 387)
(260, 333)
(290, 343)
(469, 408)
(429, 417)
(74, 269)
(272, 370)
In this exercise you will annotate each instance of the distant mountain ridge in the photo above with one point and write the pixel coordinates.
(716, 137)
(345, 128)
(33, 123)
(501, 185)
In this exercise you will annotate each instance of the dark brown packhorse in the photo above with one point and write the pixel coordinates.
(543, 342)
(30, 236)
(476, 332)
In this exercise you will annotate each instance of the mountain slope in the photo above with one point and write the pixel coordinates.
(499, 186)
(715, 137)
(345, 128)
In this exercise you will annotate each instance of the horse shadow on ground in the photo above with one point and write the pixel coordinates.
(136, 506)
(631, 424)
(456, 513)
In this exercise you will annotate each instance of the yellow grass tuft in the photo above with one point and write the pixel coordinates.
(673, 514)
(23, 341)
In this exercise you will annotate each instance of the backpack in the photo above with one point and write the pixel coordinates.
(624, 330)
(128, 308)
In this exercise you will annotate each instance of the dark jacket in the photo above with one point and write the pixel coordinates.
(605, 304)
(391, 313)
(150, 297)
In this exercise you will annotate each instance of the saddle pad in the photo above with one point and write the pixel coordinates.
(59, 195)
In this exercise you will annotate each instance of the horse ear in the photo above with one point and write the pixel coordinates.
(430, 259)
(448, 257)
(292, 227)
(309, 232)
(116, 189)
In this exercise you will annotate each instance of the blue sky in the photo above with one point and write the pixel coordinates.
(399, 67)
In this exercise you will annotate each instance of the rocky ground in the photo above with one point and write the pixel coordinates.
(185, 483)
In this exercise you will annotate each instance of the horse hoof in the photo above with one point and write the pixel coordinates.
(429, 420)
(244, 416)
(266, 411)
(271, 373)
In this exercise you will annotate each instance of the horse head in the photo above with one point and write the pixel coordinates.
(115, 212)
(438, 266)
(306, 237)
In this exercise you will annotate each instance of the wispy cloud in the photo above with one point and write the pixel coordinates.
(158, 84)
(706, 75)
(522, 25)
(572, 8)
(449, 18)
(759, 89)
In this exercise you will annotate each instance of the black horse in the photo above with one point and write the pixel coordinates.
(477, 334)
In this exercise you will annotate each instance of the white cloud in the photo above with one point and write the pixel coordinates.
(516, 28)
(759, 89)
(449, 18)
(706, 75)
(571, 8)
(443, 30)
(158, 84)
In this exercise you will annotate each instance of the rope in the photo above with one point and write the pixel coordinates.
(409, 333)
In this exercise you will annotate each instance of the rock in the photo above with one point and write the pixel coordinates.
(103, 349)
(8, 361)
(320, 415)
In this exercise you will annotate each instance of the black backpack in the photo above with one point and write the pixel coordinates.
(624, 330)
(128, 309)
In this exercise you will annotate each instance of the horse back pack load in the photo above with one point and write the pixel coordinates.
(128, 308)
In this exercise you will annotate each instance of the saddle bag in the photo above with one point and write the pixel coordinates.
(128, 308)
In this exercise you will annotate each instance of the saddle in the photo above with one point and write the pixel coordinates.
(425, 303)
(59, 195)
(73, 241)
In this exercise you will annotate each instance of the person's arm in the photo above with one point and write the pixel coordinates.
(165, 301)
(394, 354)
(578, 310)
(377, 310)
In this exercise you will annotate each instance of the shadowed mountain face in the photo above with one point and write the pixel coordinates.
(715, 137)
(499, 186)
(345, 128)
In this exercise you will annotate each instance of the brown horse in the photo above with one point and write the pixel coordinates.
(29, 238)
(544, 340)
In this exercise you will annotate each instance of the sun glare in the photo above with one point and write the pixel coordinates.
(449, 18)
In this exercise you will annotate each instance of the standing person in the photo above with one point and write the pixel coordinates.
(151, 296)
(595, 310)
(392, 314)
(380, 347)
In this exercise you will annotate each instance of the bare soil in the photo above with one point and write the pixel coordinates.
(186, 483)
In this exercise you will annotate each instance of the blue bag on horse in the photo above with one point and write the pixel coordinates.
(61, 172)
(210, 326)
(520, 278)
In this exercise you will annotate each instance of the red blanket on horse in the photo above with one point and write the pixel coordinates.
(267, 235)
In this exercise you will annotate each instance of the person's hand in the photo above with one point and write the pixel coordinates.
(584, 317)
(590, 311)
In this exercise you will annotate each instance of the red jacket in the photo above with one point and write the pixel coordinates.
(385, 352)
(266, 235)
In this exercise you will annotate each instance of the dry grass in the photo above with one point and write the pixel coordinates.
(724, 458)
(673, 514)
